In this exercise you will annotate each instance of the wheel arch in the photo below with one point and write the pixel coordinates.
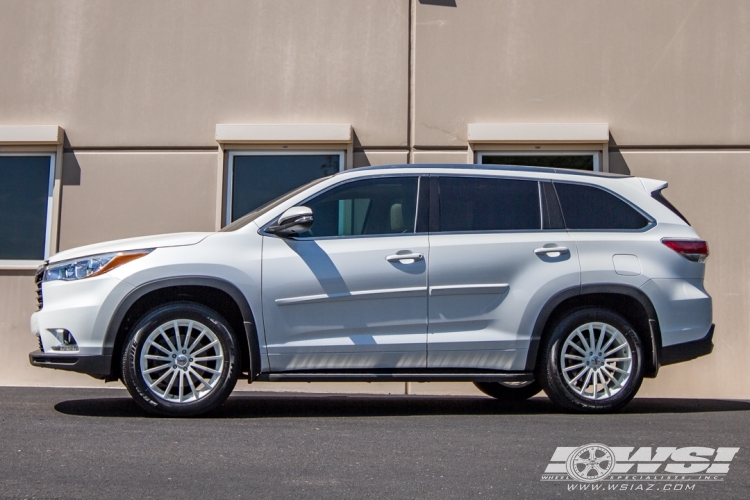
(630, 302)
(218, 294)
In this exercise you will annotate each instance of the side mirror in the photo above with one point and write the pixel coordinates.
(292, 222)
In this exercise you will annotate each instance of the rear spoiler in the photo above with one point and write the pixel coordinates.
(651, 185)
(654, 187)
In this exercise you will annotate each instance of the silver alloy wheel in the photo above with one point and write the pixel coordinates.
(596, 361)
(181, 361)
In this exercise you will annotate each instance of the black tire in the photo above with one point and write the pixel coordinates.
(226, 370)
(510, 391)
(550, 372)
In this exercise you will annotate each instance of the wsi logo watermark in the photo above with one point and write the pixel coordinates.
(595, 462)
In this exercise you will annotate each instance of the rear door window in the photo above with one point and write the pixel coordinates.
(488, 204)
(591, 208)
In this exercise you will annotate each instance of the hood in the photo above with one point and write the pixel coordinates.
(143, 242)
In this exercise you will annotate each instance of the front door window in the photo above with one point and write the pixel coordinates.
(370, 207)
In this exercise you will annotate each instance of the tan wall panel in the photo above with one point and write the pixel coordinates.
(373, 158)
(711, 189)
(672, 72)
(165, 73)
(108, 196)
(441, 157)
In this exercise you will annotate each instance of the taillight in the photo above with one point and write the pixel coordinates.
(695, 250)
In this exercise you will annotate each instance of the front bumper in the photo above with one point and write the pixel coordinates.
(686, 351)
(83, 308)
(98, 366)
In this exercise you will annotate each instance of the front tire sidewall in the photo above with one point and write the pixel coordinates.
(132, 353)
(550, 372)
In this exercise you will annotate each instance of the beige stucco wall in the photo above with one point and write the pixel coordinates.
(140, 87)
(112, 195)
(658, 72)
(143, 73)
(710, 188)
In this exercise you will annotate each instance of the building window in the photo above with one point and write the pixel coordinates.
(577, 160)
(257, 177)
(26, 184)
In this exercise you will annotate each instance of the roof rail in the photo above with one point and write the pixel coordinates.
(506, 168)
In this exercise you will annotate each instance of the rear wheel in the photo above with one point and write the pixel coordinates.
(510, 391)
(592, 361)
(180, 359)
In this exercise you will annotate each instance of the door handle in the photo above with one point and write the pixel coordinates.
(400, 257)
(546, 250)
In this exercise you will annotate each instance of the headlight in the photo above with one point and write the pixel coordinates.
(94, 265)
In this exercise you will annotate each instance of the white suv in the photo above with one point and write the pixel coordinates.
(515, 278)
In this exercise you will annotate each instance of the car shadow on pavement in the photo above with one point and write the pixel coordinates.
(279, 405)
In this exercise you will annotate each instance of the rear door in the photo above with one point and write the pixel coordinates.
(495, 259)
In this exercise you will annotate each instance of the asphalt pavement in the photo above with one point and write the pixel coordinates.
(96, 443)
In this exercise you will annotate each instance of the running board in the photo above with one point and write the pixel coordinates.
(396, 377)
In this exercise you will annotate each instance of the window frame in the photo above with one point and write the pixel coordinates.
(420, 181)
(596, 154)
(229, 184)
(49, 224)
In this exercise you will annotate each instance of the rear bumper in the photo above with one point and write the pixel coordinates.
(678, 353)
(98, 366)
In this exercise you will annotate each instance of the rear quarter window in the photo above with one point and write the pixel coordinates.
(592, 208)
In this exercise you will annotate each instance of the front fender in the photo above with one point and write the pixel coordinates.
(225, 286)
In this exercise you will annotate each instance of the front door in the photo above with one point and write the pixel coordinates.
(491, 266)
(351, 293)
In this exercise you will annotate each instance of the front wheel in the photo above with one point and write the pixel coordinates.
(592, 361)
(510, 391)
(181, 359)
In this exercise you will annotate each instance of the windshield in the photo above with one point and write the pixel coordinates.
(246, 219)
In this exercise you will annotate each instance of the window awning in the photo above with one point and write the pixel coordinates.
(538, 132)
(30, 135)
(283, 133)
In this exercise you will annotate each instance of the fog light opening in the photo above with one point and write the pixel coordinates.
(66, 339)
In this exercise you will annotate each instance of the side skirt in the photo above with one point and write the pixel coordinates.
(350, 376)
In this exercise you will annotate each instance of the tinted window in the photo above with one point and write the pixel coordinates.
(258, 179)
(366, 207)
(588, 207)
(486, 204)
(24, 189)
